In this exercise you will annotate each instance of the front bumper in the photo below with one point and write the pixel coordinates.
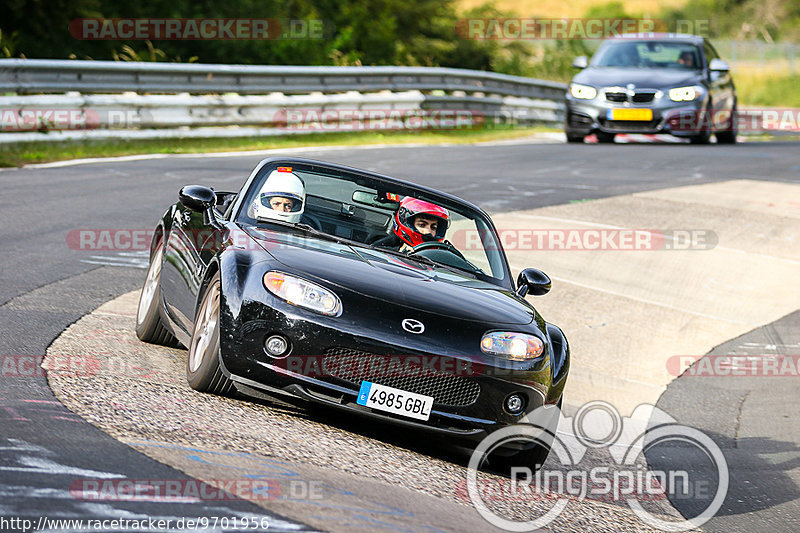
(681, 119)
(468, 405)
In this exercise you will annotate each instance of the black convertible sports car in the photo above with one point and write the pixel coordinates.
(302, 284)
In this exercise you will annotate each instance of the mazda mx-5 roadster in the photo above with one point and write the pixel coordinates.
(357, 291)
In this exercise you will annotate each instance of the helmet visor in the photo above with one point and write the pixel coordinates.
(281, 201)
(431, 228)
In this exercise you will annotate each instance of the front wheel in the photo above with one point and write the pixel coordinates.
(704, 125)
(729, 136)
(532, 458)
(574, 138)
(203, 371)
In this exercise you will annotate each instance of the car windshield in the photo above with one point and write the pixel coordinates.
(648, 54)
(358, 210)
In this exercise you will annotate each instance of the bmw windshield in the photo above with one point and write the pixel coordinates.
(648, 54)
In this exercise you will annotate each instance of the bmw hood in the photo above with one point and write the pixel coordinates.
(646, 78)
(393, 280)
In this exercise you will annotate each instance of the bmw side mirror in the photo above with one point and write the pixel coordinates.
(580, 62)
(197, 198)
(533, 281)
(718, 65)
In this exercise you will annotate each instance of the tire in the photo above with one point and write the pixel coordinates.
(729, 136)
(573, 138)
(603, 137)
(149, 326)
(704, 137)
(532, 458)
(202, 364)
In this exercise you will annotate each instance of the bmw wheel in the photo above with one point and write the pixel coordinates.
(728, 136)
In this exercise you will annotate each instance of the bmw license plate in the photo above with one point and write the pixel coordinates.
(395, 401)
(629, 114)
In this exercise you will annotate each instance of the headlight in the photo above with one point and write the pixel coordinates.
(302, 293)
(685, 94)
(514, 346)
(584, 92)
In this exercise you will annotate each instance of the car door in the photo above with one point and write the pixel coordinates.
(182, 266)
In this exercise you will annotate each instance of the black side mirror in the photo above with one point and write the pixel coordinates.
(198, 198)
(533, 281)
(201, 200)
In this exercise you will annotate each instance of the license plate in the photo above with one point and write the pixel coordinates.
(629, 114)
(396, 401)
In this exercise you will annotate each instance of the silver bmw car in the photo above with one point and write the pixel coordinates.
(652, 83)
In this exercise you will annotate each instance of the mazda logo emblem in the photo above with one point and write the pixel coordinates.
(413, 326)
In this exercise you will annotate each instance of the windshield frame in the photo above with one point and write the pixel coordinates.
(463, 208)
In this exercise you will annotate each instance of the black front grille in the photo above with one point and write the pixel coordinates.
(643, 97)
(616, 97)
(629, 125)
(354, 367)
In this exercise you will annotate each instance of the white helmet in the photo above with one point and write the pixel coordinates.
(281, 183)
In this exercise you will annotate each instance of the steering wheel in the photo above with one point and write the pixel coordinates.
(312, 221)
(437, 245)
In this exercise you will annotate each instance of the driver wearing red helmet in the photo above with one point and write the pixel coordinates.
(415, 222)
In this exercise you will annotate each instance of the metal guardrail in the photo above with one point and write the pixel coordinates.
(232, 100)
(29, 76)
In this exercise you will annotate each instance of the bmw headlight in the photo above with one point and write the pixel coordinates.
(685, 94)
(513, 346)
(302, 293)
(583, 92)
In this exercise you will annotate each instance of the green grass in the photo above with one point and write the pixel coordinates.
(769, 90)
(18, 154)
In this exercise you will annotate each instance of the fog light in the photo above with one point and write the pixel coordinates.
(276, 345)
(514, 404)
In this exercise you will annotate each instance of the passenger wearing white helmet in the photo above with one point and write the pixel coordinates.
(282, 197)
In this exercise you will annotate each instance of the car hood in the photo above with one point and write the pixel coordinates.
(392, 279)
(663, 78)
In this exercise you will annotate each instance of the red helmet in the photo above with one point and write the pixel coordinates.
(403, 225)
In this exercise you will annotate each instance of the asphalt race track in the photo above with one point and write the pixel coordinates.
(373, 478)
